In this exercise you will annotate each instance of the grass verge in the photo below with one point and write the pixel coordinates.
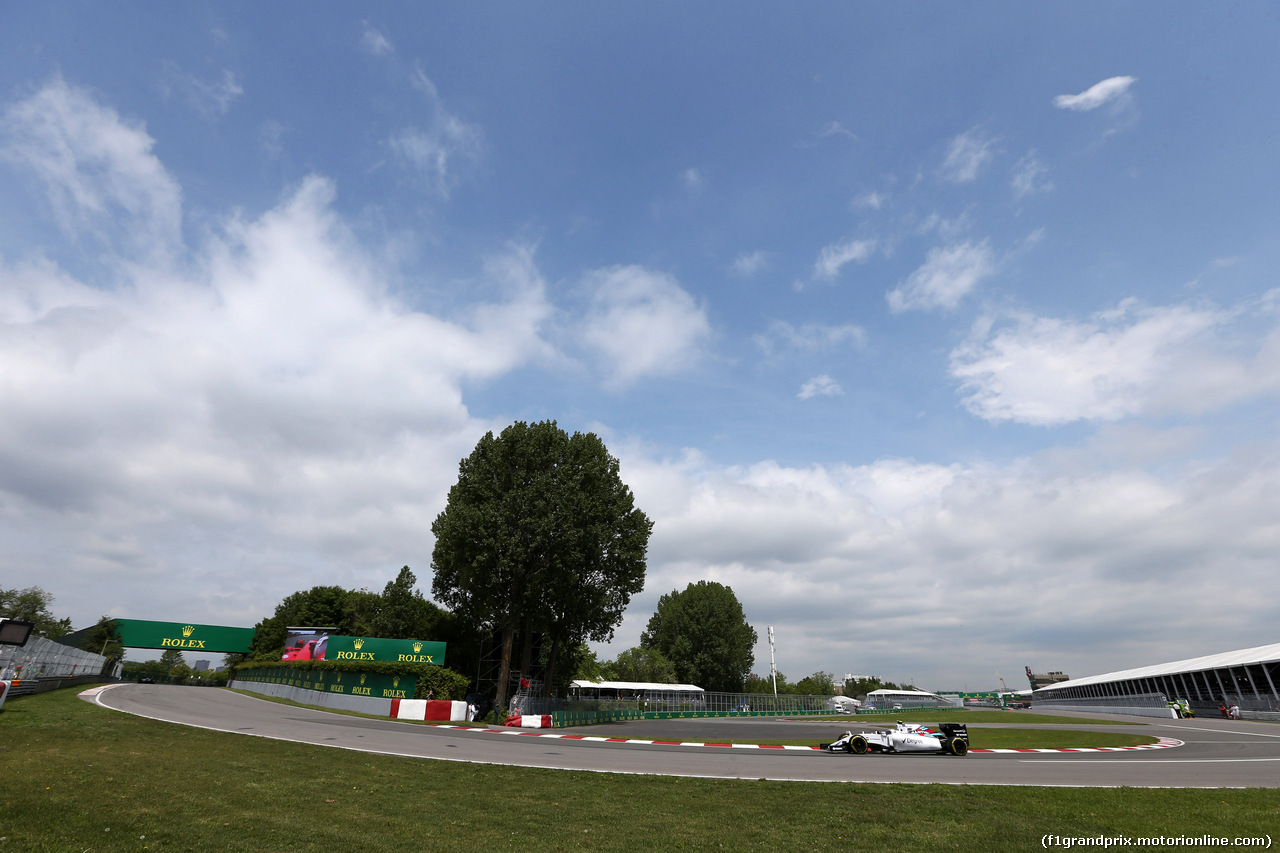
(77, 777)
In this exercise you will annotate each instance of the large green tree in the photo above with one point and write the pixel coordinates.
(540, 534)
(32, 605)
(643, 664)
(403, 614)
(705, 634)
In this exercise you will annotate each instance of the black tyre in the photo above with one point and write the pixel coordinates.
(958, 747)
(858, 745)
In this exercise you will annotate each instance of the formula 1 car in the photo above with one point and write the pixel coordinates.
(946, 739)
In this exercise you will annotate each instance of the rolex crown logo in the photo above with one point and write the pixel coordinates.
(395, 682)
(188, 630)
(417, 647)
(359, 644)
(362, 677)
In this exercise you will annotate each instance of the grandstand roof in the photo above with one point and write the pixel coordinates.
(886, 691)
(637, 685)
(1258, 654)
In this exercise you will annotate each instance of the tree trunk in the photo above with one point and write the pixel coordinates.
(526, 653)
(504, 671)
(549, 676)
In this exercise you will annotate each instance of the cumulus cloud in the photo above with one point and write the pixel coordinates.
(1113, 90)
(820, 386)
(271, 417)
(834, 257)
(967, 155)
(947, 276)
(1037, 559)
(1117, 364)
(642, 323)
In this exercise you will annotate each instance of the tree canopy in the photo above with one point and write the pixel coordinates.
(705, 634)
(32, 605)
(399, 613)
(540, 534)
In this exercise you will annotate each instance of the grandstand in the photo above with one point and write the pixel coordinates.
(891, 699)
(1247, 678)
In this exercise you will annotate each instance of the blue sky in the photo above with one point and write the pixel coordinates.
(925, 328)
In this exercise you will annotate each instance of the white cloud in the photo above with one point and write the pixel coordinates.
(967, 154)
(272, 418)
(375, 42)
(820, 386)
(692, 179)
(811, 337)
(433, 152)
(750, 263)
(947, 276)
(97, 171)
(871, 200)
(1119, 363)
(212, 99)
(642, 323)
(1111, 90)
(835, 256)
(1081, 563)
(835, 128)
(1029, 177)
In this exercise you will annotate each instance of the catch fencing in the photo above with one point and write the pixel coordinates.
(42, 661)
(676, 703)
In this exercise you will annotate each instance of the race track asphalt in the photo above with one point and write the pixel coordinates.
(1215, 753)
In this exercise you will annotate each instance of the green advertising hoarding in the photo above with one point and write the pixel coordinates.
(392, 651)
(185, 636)
(369, 684)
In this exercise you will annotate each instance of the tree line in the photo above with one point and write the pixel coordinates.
(540, 546)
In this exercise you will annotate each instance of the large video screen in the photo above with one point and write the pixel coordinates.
(306, 643)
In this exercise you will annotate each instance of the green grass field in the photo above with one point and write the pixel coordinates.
(76, 777)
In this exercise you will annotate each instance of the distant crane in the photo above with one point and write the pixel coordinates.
(1004, 688)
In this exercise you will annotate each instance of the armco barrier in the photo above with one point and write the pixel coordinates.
(565, 719)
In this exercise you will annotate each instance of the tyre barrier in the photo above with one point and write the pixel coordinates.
(443, 710)
(529, 721)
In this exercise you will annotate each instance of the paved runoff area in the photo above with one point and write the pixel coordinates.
(1199, 753)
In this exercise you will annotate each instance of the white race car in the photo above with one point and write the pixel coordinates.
(946, 739)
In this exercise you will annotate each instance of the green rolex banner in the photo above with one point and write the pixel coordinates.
(141, 634)
(395, 651)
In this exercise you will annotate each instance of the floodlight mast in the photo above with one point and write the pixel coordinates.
(773, 667)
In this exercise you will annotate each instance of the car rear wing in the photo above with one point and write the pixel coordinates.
(955, 731)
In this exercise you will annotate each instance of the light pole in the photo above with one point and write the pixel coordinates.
(773, 667)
